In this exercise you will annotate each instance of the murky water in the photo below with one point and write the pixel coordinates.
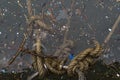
(90, 18)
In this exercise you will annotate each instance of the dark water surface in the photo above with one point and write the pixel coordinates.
(90, 18)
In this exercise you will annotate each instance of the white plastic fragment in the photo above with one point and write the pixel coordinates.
(17, 33)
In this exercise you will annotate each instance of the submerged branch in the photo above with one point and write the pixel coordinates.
(112, 31)
(18, 51)
(29, 7)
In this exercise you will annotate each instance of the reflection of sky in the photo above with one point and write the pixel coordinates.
(89, 18)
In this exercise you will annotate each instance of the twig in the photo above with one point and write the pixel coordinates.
(25, 36)
(112, 31)
(19, 4)
(29, 7)
(32, 76)
(18, 51)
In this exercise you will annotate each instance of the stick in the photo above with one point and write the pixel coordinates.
(18, 51)
(29, 7)
(112, 31)
(32, 76)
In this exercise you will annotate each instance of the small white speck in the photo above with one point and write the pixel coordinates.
(64, 26)
(34, 34)
(59, 3)
(18, 1)
(118, 75)
(86, 34)
(20, 63)
(5, 10)
(109, 29)
(3, 14)
(5, 45)
(20, 16)
(13, 71)
(61, 77)
(14, 15)
(106, 17)
(106, 56)
(9, 2)
(16, 23)
(0, 32)
(13, 42)
(76, 3)
(32, 4)
(4, 59)
(39, 29)
(65, 67)
(52, 35)
(93, 70)
(17, 33)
